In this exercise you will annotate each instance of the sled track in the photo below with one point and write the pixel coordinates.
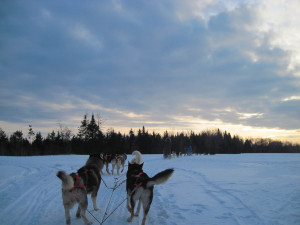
(230, 202)
(39, 192)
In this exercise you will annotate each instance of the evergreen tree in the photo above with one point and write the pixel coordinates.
(93, 130)
(132, 146)
(83, 129)
(38, 138)
(51, 136)
(3, 142)
(38, 144)
(3, 137)
(247, 146)
(17, 137)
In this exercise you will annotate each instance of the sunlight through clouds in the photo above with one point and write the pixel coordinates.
(292, 98)
(281, 19)
(250, 115)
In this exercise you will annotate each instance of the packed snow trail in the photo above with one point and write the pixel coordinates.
(222, 189)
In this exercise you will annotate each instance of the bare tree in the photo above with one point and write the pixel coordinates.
(30, 134)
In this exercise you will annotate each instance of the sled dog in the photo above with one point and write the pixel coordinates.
(76, 186)
(108, 158)
(139, 187)
(115, 160)
(118, 160)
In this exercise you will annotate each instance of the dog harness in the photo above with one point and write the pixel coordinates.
(138, 176)
(77, 185)
(107, 156)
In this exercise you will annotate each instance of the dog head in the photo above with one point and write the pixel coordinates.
(135, 168)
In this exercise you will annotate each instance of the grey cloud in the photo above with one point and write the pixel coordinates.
(140, 57)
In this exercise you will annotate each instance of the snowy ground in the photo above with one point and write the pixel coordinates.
(221, 189)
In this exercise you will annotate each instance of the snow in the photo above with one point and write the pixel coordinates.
(221, 189)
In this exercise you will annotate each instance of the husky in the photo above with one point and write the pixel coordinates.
(139, 187)
(76, 187)
(174, 154)
(118, 160)
(108, 158)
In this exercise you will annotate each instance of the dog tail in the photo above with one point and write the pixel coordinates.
(160, 178)
(138, 156)
(66, 179)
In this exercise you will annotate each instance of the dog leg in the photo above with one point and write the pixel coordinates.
(78, 213)
(106, 164)
(83, 207)
(118, 169)
(67, 213)
(101, 168)
(119, 166)
(94, 197)
(132, 202)
(128, 203)
(85, 220)
(146, 208)
(138, 209)
(122, 167)
(113, 168)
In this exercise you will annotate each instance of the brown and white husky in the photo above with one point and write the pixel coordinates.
(76, 186)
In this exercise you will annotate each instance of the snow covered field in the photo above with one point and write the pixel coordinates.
(220, 189)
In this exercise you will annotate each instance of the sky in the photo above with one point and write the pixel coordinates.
(169, 65)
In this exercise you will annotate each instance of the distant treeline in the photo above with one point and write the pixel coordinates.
(91, 139)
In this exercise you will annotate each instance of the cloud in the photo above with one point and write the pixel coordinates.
(281, 19)
(292, 98)
(149, 62)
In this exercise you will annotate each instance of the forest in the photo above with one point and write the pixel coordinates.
(91, 139)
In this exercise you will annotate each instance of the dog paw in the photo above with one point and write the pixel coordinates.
(96, 208)
(129, 219)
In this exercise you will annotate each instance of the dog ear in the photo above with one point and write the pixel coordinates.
(141, 165)
(129, 164)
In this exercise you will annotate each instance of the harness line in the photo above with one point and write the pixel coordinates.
(116, 186)
(106, 215)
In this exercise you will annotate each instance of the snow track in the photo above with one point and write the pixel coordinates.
(235, 210)
(223, 189)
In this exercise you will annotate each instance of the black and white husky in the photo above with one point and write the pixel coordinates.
(76, 186)
(139, 186)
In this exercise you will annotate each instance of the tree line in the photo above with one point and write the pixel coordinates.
(91, 139)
